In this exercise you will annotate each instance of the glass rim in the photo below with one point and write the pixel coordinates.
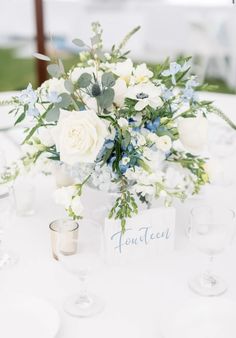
(231, 211)
(61, 220)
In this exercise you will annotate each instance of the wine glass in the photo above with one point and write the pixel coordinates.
(211, 231)
(85, 258)
(7, 258)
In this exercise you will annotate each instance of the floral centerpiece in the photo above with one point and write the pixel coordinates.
(119, 126)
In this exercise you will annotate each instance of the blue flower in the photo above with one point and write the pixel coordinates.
(172, 71)
(123, 167)
(167, 94)
(109, 144)
(53, 97)
(28, 96)
(32, 111)
(152, 126)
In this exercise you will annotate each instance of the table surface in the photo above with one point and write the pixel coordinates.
(140, 299)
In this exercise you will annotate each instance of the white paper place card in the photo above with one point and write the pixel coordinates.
(149, 233)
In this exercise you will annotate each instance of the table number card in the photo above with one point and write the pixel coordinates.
(149, 233)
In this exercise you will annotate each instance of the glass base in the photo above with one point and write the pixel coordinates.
(79, 306)
(7, 259)
(208, 285)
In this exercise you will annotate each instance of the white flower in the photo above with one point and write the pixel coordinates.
(120, 89)
(45, 136)
(141, 141)
(79, 136)
(64, 195)
(125, 160)
(142, 73)
(174, 177)
(53, 86)
(124, 70)
(147, 94)
(152, 137)
(164, 143)
(123, 123)
(77, 206)
(144, 189)
(193, 133)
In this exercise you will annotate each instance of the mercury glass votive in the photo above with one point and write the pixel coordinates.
(65, 230)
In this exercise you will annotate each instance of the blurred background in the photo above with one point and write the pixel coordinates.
(204, 29)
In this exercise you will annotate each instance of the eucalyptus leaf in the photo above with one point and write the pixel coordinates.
(61, 66)
(105, 100)
(65, 100)
(54, 70)
(69, 86)
(42, 57)
(53, 114)
(84, 80)
(78, 42)
(108, 80)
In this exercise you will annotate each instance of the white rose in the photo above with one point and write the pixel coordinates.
(123, 123)
(45, 136)
(63, 196)
(193, 133)
(54, 85)
(79, 136)
(120, 89)
(77, 206)
(164, 143)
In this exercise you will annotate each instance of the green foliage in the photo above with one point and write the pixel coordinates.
(84, 80)
(125, 207)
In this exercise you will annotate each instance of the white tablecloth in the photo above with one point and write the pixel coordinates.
(139, 299)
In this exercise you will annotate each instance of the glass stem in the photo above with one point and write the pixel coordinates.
(208, 279)
(83, 299)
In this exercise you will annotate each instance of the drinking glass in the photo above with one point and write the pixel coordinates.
(211, 231)
(66, 230)
(7, 258)
(85, 258)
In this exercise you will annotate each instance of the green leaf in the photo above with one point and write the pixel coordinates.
(78, 42)
(53, 114)
(31, 133)
(20, 118)
(84, 80)
(54, 70)
(65, 100)
(105, 100)
(127, 138)
(108, 80)
(69, 86)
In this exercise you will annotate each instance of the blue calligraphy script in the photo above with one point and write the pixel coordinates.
(144, 237)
